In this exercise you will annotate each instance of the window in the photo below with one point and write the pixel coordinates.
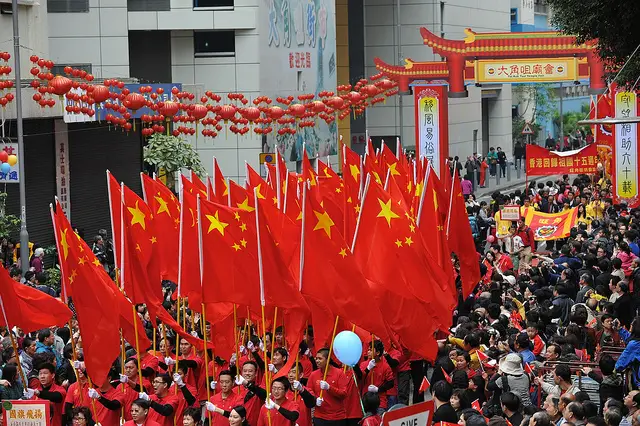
(213, 4)
(67, 6)
(148, 5)
(59, 68)
(214, 43)
(514, 16)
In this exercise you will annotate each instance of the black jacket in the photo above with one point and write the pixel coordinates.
(445, 413)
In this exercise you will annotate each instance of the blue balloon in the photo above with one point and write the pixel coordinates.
(348, 348)
(5, 168)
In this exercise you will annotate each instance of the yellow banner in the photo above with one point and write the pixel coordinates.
(526, 70)
(626, 150)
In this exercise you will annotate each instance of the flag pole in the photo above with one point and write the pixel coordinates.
(14, 344)
(206, 357)
(262, 300)
(424, 191)
(373, 355)
(364, 194)
(326, 367)
(451, 195)
(122, 370)
(235, 339)
(135, 329)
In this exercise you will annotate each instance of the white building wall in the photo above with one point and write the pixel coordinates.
(465, 115)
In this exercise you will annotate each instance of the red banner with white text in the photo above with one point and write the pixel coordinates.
(542, 162)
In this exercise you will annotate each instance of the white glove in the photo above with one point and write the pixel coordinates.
(371, 365)
(261, 345)
(29, 393)
(372, 388)
(93, 394)
(210, 406)
(307, 352)
(124, 378)
(194, 333)
(169, 361)
(243, 350)
(213, 384)
(324, 385)
(297, 386)
(250, 346)
(233, 359)
(270, 404)
(319, 402)
(143, 395)
(78, 365)
(240, 381)
(178, 380)
(272, 368)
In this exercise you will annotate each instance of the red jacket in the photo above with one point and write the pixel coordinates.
(332, 407)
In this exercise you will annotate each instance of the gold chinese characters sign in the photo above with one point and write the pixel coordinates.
(26, 413)
(626, 151)
(526, 70)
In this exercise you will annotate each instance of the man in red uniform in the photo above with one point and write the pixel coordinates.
(252, 396)
(163, 403)
(108, 404)
(47, 389)
(398, 360)
(129, 385)
(194, 362)
(375, 375)
(295, 394)
(77, 393)
(221, 404)
(186, 393)
(329, 392)
(279, 410)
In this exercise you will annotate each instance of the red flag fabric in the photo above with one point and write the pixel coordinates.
(446, 376)
(93, 299)
(220, 190)
(352, 179)
(198, 185)
(166, 217)
(115, 212)
(528, 368)
(332, 281)
(476, 405)
(29, 308)
(189, 276)
(292, 206)
(482, 357)
(424, 385)
(460, 239)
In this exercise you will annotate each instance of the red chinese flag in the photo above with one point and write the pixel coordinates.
(166, 217)
(308, 174)
(332, 281)
(240, 198)
(352, 179)
(94, 299)
(460, 239)
(115, 212)
(189, 277)
(292, 207)
(424, 385)
(255, 181)
(528, 368)
(140, 271)
(198, 185)
(482, 356)
(476, 405)
(397, 170)
(446, 376)
(28, 308)
(220, 190)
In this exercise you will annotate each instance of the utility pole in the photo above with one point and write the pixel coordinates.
(400, 96)
(24, 235)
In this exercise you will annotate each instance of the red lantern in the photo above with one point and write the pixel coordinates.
(169, 108)
(297, 110)
(100, 93)
(227, 112)
(318, 107)
(275, 112)
(134, 101)
(354, 97)
(251, 113)
(60, 85)
(199, 111)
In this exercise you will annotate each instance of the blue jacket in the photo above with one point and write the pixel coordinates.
(42, 348)
(630, 357)
(573, 262)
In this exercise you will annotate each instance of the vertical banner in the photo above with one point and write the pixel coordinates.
(432, 124)
(626, 151)
(62, 166)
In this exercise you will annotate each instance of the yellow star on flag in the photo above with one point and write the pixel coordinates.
(324, 222)
(392, 169)
(243, 242)
(260, 196)
(386, 212)
(377, 177)
(236, 246)
(64, 243)
(245, 205)
(236, 216)
(215, 223)
(137, 216)
(138, 247)
(338, 190)
(435, 200)
(357, 208)
(343, 253)
(73, 276)
(349, 200)
(399, 243)
(96, 262)
(326, 172)
(418, 189)
(408, 241)
(162, 205)
(412, 227)
(81, 261)
(275, 200)
(355, 171)
(243, 227)
(153, 240)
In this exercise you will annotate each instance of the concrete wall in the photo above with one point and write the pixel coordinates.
(465, 115)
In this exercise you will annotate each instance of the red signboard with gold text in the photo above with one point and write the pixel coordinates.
(542, 162)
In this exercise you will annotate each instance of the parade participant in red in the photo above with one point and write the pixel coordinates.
(164, 348)
(352, 405)
(194, 362)
(330, 406)
(163, 404)
(252, 396)
(279, 339)
(371, 404)
(108, 404)
(77, 392)
(149, 363)
(278, 360)
(140, 414)
(279, 410)
(49, 390)
(186, 394)
(129, 385)
(398, 360)
(307, 347)
(304, 404)
(221, 404)
(375, 374)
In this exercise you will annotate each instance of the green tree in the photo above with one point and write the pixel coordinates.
(9, 224)
(168, 154)
(536, 100)
(570, 120)
(613, 23)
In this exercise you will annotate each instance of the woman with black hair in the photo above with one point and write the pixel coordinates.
(10, 388)
(81, 416)
(238, 416)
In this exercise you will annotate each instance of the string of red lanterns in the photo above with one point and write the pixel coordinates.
(284, 115)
